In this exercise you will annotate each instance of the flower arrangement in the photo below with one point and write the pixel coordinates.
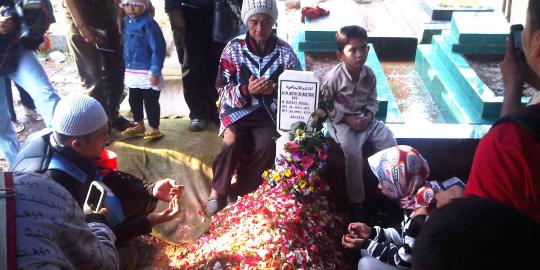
(286, 223)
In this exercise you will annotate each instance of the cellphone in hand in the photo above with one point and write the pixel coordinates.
(515, 36)
(105, 46)
(96, 196)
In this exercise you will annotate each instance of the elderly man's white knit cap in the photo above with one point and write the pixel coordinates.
(78, 115)
(252, 7)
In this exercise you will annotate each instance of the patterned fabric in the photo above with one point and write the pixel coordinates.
(52, 232)
(239, 61)
(392, 247)
(401, 171)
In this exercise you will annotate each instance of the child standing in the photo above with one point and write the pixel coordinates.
(350, 98)
(144, 53)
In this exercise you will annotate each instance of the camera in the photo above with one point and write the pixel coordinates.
(31, 20)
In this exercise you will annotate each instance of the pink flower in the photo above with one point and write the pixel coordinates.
(307, 161)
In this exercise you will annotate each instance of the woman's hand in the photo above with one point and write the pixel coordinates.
(261, 86)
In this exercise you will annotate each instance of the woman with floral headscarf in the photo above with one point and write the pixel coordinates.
(402, 174)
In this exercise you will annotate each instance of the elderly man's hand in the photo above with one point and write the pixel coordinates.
(167, 214)
(7, 24)
(167, 188)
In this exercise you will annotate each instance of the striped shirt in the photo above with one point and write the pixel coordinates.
(392, 247)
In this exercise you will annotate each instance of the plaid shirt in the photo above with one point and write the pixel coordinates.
(240, 59)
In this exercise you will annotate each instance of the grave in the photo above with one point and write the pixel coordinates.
(434, 101)
(462, 95)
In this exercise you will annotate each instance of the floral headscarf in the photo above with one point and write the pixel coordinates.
(401, 171)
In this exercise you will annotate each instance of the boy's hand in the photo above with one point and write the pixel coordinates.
(154, 80)
(359, 230)
(351, 242)
(364, 122)
(358, 123)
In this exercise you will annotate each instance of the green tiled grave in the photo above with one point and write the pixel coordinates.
(479, 33)
(461, 95)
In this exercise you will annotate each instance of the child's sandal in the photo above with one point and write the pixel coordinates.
(153, 134)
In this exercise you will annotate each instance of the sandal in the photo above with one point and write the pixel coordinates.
(133, 132)
(215, 204)
(153, 134)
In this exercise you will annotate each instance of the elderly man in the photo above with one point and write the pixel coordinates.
(68, 156)
(505, 163)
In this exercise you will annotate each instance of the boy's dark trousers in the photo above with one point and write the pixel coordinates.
(150, 98)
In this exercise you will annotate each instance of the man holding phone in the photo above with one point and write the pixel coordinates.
(68, 156)
(505, 166)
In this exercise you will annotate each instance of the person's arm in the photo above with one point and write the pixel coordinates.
(372, 102)
(388, 246)
(230, 90)
(173, 8)
(157, 45)
(87, 33)
(331, 98)
(124, 183)
(513, 73)
(119, 17)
